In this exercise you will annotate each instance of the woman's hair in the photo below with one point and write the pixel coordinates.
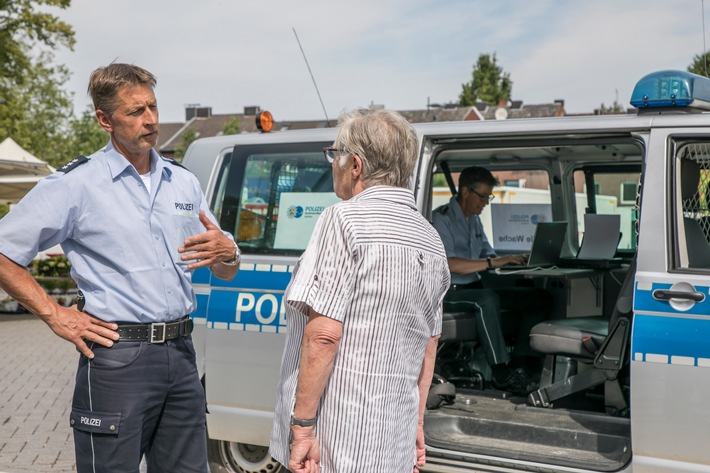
(105, 82)
(385, 142)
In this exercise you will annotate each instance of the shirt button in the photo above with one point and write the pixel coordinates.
(164, 265)
(170, 291)
(157, 237)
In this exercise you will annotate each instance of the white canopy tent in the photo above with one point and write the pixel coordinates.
(19, 171)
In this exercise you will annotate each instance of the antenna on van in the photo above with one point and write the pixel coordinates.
(327, 120)
(705, 56)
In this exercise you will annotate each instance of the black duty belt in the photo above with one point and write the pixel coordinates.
(157, 332)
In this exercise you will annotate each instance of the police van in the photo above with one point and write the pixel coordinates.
(625, 357)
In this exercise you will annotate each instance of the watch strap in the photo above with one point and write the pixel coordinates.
(303, 422)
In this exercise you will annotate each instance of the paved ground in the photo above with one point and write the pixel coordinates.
(36, 385)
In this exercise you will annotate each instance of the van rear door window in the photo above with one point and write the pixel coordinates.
(271, 197)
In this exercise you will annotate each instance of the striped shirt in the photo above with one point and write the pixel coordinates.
(376, 265)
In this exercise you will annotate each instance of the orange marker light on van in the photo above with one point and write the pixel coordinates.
(264, 121)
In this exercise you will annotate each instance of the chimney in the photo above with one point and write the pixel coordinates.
(196, 111)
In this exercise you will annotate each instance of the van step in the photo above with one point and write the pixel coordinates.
(508, 429)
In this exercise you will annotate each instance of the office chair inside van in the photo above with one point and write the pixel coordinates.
(600, 342)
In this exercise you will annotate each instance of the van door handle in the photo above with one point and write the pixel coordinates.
(665, 295)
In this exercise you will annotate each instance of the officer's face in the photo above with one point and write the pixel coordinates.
(474, 200)
(133, 126)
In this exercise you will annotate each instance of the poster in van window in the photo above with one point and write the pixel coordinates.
(514, 225)
(298, 213)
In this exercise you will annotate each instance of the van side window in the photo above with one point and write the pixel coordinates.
(693, 218)
(609, 190)
(521, 199)
(271, 200)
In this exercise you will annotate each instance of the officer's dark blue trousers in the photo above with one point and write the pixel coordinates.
(137, 399)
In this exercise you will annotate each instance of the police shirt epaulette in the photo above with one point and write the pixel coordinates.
(172, 161)
(442, 210)
(73, 164)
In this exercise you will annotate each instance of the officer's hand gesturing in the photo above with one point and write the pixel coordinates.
(208, 248)
(80, 328)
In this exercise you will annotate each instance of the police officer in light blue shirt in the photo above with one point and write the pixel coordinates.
(134, 226)
(468, 254)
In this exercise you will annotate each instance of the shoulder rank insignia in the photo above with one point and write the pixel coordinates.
(74, 163)
(442, 210)
(172, 161)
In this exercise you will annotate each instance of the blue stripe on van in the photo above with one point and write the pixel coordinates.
(261, 277)
(257, 303)
(644, 301)
(673, 336)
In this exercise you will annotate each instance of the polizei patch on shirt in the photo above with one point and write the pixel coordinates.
(73, 164)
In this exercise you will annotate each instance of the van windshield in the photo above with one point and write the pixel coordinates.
(271, 200)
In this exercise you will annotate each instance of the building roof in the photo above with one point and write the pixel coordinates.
(203, 123)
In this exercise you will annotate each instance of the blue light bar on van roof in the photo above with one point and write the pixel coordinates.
(674, 89)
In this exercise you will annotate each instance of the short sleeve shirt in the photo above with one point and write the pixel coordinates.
(463, 237)
(377, 266)
(120, 239)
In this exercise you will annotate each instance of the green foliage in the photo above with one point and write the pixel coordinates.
(85, 135)
(4, 209)
(56, 266)
(613, 109)
(231, 127)
(188, 137)
(438, 180)
(700, 65)
(37, 109)
(488, 83)
(34, 108)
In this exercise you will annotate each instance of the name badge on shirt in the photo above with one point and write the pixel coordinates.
(186, 223)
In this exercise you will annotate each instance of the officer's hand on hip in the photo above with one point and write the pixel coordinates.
(80, 328)
(208, 248)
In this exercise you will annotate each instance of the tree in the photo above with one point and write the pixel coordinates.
(188, 137)
(231, 127)
(700, 65)
(488, 83)
(85, 135)
(34, 108)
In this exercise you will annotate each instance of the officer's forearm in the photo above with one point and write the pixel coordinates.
(17, 281)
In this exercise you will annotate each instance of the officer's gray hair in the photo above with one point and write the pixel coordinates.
(105, 82)
(385, 142)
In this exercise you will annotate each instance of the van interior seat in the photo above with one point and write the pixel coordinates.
(575, 337)
(459, 322)
(600, 342)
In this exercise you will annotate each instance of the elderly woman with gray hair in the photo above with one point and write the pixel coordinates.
(364, 311)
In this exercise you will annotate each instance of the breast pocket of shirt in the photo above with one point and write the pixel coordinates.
(184, 225)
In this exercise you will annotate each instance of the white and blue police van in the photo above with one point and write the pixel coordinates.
(625, 356)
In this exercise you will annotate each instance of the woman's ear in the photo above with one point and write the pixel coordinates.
(356, 170)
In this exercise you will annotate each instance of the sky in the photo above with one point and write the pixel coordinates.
(403, 54)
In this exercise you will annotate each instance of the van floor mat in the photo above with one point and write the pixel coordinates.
(507, 428)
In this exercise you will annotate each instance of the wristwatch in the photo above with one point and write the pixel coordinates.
(490, 262)
(303, 422)
(237, 257)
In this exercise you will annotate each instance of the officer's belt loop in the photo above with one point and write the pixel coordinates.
(157, 332)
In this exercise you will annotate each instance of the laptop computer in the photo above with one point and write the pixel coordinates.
(546, 246)
(602, 233)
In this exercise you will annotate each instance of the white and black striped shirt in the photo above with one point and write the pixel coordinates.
(376, 265)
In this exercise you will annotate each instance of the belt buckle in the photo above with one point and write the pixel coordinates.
(155, 326)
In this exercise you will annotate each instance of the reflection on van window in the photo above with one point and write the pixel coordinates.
(694, 162)
(520, 201)
(282, 196)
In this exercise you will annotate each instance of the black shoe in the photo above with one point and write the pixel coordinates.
(516, 382)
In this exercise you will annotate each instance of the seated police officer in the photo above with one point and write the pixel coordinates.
(469, 253)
